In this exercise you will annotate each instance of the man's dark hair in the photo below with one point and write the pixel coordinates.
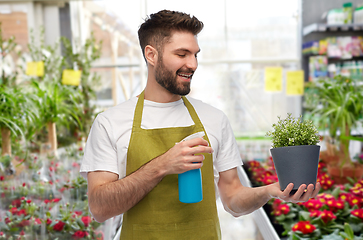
(158, 28)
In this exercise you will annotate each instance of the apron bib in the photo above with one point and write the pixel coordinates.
(160, 214)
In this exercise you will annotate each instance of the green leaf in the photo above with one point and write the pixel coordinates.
(304, 215)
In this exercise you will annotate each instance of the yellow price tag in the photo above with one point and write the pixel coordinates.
(273, 79)
(295, 83)
(71, 77)
(35, 69)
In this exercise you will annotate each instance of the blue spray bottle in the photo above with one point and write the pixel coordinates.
(190, 182)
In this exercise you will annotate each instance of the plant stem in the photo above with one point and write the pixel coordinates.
(6, 141)
(52, 136)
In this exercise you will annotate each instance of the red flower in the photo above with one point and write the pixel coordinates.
(2, 178)
(282, 209)
(325, 181)
(354, 200)
(327, 216)
(358, 213)
(49, 221)
(304, 226)
(21, 212)
(13, 210)
(59, 226)
(78, 213)
(37, 221)
(55, 200)
(80, 234)
(254, 163)
(313, 204)
(24, 223)
(335, 205)
(86, 220)
(28, 201)
(315, 213)
(345, 196)
(99, 235)
(276, 203)
(16, 203)
(270, 179)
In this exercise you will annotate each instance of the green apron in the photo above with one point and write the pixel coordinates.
(160, 214)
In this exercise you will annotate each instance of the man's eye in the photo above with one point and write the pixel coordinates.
(181, 55)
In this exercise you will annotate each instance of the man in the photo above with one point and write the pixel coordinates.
(134, 151)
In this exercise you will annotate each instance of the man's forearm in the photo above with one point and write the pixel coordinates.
(249, 200)
(117, 197)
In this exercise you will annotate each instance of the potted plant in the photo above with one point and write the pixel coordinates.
(340, 111)
(295, 151)
(16, 104)
(57, 104)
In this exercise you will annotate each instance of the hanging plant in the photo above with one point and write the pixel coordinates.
(81, 57)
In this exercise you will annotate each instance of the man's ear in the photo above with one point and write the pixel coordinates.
(151, 55)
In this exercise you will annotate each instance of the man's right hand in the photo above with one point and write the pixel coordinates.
(184, 156)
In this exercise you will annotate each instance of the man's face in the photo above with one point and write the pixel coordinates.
(177, 64)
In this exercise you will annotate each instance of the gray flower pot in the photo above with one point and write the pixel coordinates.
(296, 164)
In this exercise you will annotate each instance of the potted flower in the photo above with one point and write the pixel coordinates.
(295, 151)
(340, 111)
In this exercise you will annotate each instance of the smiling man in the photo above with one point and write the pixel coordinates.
(135, 151)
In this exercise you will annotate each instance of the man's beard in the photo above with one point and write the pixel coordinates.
(168, 80)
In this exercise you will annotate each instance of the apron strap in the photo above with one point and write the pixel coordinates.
(138, 112)
(140, 106)
(192, 111)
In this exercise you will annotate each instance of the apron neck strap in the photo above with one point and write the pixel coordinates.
(140, 106)
(138, 111)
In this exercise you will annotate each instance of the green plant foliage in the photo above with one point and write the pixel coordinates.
(7, 49)
(293, 132)
(82, 58)
(57, 103)
(341, 104)
(17, 108)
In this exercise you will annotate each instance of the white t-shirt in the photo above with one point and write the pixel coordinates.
(108, 141)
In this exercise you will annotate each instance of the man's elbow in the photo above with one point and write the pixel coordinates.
(97, 214)
(234, 214)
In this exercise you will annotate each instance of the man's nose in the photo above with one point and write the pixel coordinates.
(192, 63)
